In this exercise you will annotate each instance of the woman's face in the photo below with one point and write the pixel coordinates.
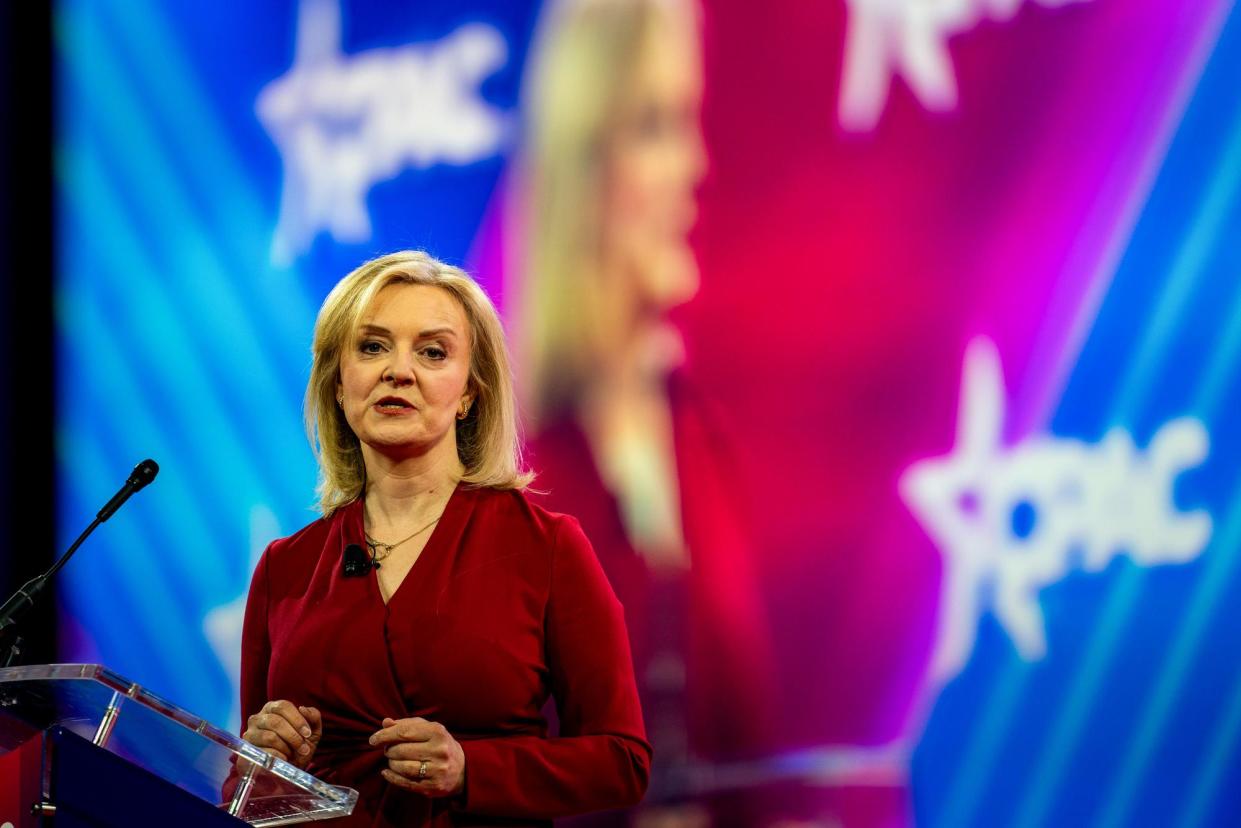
(654, 162)
(405, 375)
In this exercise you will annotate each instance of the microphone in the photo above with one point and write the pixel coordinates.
(142, 475)
(356, 563)
(22, 600)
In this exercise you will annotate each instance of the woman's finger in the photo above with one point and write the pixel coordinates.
(415, 751)
(409, 768)
(400, 781)
(313, 718)
(292, 714)
(269, 741)
(416, 729)
(278, 724)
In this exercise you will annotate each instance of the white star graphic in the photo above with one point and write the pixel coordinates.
(946, 495)
(343, 123)
(1011, 521)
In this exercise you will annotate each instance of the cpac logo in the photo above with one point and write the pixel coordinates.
(1011, 521)
(886, 38)
(344, 123)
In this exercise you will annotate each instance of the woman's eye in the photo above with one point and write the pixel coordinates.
(370, 346)
(435, 352)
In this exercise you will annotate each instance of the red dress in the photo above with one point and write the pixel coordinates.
(505, 606)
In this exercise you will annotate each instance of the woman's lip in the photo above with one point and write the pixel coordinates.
(393, 407)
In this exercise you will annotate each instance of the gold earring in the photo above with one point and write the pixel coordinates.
(464, 412)
(340, 400)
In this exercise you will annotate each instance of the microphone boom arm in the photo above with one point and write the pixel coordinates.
(22, 601)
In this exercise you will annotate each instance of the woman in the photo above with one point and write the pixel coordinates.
(419, 680)
(621, 436)
(613, 157)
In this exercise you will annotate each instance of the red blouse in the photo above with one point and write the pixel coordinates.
(505, 606)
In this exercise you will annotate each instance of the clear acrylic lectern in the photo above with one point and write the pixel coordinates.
(194, 760)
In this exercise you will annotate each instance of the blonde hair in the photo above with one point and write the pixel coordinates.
(487, 439)
(585, 59)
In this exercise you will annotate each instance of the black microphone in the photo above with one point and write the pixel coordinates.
(356, 563)
(142, 474)
(22, 600)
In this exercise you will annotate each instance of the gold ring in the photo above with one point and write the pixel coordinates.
(422, 770)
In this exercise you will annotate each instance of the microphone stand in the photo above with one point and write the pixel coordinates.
(24, 599)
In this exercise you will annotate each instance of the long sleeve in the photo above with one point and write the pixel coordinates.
(601, 758)
(255, 644)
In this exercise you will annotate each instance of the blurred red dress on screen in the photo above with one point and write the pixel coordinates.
(708, 617)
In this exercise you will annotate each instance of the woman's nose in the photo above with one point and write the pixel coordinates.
(400, 368)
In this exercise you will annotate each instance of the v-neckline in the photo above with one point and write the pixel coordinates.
(429, 550)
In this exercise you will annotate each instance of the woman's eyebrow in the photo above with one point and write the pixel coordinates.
(436, 332)
(368, 328)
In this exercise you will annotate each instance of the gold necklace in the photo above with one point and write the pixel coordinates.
(388, 547)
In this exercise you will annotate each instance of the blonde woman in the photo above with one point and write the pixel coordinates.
(405, 643)
(613, 157)
(607, 198)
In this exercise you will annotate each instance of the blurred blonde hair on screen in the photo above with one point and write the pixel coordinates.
(487, 439)
(583, 97)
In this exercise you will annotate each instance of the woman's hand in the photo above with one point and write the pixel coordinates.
(422, 756)
(286, 731)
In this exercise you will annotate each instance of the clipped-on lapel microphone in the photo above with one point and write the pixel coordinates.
(355, 563)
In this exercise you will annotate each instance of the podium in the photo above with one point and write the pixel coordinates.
(83, 746)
